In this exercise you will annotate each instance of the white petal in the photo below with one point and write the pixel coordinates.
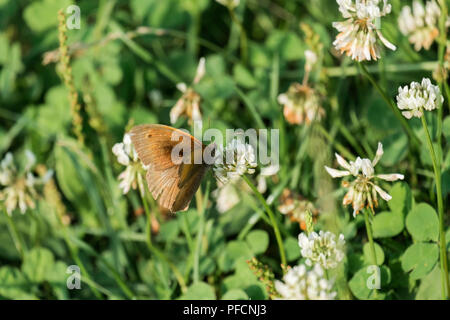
(391, 177)
(336, 173)
(386, 42)
(342, 162)
(182, 87)
(382, 193)
(378, 155)
(200, 71)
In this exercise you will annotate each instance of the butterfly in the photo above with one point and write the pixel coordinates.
(175, 162)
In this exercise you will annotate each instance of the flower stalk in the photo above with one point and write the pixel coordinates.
(272, 219)
(371, 242)
(155, 250)
(442, 243)
(412, 136)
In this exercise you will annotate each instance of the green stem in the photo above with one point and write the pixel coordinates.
(372, 244)
(18, 243)
(339, 147)
(437, 173)
(201, 211)
(243, 35)
(158, 253)
(272, 219)
(412, 136)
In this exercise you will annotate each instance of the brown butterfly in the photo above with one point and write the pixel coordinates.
(175, 163)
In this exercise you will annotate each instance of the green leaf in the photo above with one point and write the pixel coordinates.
(420, 258)
(395, 149)
(423, 223)
(258, 241)
(364, 277)
(430, 286)
(41, 15)
(287, 44)
(446, 128)
(37, 263)
(13, 284)
(387, 224)
(243, 77)
(292, 249)
(235, 294)
(368, 253)
(402, 199)
(199, 291)
(234, 251)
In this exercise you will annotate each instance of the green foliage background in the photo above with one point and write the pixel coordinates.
(131, 81)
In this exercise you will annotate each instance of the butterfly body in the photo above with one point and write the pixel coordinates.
(175, 163)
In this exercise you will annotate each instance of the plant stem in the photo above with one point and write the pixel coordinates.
(272, 219)
(14, 234)
(158, 253)
(437, 173)
(243, 35)
(412, 136)
(372, 244)
(201, 211)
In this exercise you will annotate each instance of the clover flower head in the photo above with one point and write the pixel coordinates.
(301, 104)
(237, 159)
(418, 96)
(133, 175)
(322, 248)
(419, 23)
(19, 184)
(362, 192)
(299, 283)
(189, 103)
(296, 207)
(359, 34)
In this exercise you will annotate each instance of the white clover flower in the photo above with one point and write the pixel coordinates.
(419, 24)
(18, 185)
(302, 284)
(133, 175)
(418, 96)
(229, 3)
(301, 104)
(359, 33)
(322, 248)
(237, 159)
(362, 192)
(189, 103)
(227, 196)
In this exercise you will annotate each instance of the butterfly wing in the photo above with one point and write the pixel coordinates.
(172, 182)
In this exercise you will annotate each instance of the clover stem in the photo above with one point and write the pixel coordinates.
(156, 251)
(395, 110)
(371, 243)
(437, 173)
(272, 219)
(243, 35)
